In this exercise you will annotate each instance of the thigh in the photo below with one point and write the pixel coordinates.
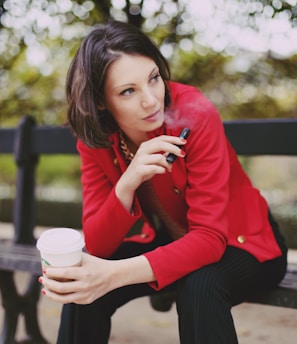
(241, 275)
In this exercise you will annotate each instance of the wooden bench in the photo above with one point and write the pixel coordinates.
(28, 141)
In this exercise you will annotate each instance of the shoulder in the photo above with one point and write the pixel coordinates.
(83, 148)
(178, 89)
(189, 106)
(191, 95)
(98, 155)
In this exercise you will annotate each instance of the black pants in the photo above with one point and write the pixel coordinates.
(204, 297)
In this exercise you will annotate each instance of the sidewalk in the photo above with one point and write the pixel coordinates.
(138, 323)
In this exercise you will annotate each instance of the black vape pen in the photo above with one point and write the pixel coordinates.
(183, 135)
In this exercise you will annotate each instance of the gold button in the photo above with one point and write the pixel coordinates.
(115, 161)
(176, 191)
(241, 239)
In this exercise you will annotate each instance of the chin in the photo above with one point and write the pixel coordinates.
(157, 124)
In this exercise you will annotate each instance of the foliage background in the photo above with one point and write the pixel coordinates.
(241, 53)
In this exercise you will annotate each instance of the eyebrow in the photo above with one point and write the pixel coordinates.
(154, 70)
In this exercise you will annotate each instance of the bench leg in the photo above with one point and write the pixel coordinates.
(30, 301)
(15, 304)
(10, 305)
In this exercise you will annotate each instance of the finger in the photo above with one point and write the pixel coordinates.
(75, 297)
(151, 159)
(62, 286)
(62, 298)
(168, 138)
(172, 145)
(150, 169)
(69, 273)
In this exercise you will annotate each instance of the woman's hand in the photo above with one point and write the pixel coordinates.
(94, 278)
(148, 161)
(82, 284)
(150, 158)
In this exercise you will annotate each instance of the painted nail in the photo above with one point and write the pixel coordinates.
(40, 280)
(44, 271)
(43, 292)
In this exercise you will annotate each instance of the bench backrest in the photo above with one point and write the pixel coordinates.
(28, 141)
(248, 137)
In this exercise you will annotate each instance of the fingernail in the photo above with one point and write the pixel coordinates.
(183, 140)
(43, 292)
(44, 271)
(40, 280)
(183, 153)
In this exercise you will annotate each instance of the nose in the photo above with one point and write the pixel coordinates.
(148, 98)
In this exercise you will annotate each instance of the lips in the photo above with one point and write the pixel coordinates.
(153, 117)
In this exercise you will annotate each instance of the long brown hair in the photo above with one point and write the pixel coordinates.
(87, 74)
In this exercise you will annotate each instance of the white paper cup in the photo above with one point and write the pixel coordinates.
(60, 247)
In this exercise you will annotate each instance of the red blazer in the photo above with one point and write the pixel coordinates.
(207, 193)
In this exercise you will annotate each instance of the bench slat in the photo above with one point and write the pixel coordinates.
(290, 280)
(27, 258)
(19, 257)
(249, 137)
(263, 137)
(53, 140)
(285, 295)
(7, 136)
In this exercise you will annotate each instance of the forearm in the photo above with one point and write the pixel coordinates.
(110, 221)
(131, 271)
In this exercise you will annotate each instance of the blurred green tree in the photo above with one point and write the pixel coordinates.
(240, 53)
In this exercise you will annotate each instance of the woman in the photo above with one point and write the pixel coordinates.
(207, 232)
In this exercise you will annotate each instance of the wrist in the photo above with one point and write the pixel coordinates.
(124, 194)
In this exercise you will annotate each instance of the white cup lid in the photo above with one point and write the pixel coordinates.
(60, 240)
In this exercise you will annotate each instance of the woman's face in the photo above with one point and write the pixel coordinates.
(134, 94)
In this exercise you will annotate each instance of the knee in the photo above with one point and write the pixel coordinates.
(202, 284)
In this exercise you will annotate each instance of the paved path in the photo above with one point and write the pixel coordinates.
(138, 323)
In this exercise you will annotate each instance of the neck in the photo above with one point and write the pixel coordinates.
(133, 142)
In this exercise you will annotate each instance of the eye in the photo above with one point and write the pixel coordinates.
(155, 77)
(127, 92)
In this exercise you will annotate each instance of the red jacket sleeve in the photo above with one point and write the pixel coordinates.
(105, 221)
